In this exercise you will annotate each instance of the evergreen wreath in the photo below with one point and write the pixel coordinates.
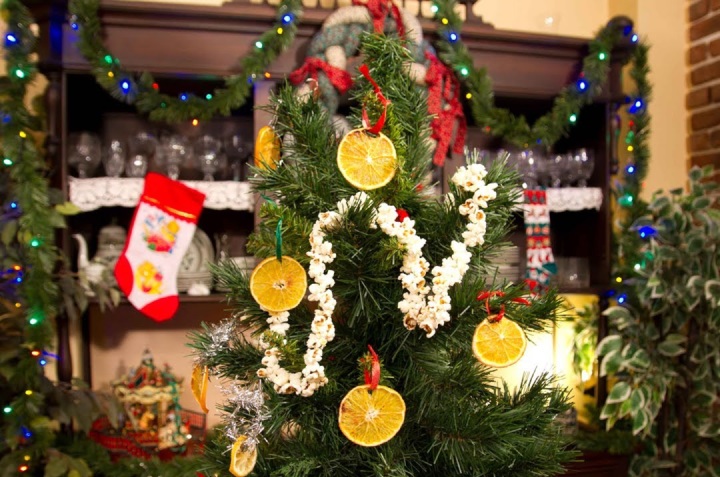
(141, 89)
(339, 39)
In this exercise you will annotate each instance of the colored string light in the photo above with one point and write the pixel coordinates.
(35, 243)
(573, 118)
(464, 71)
(125, 86)
(279, 31)
(434, 8)
(618, 279)
(602, 56)
(23, 468)
(646, 231)
(13, 205)
(630, 169)
(35, 353)
(622, 298)
(287, 18)
(28, 392)
(42, 362)
(468, 96)
(19, 73)
(626, 200)
(453, 37)
(111, 74)
(259, 44)
(582, 85)
(33, 321)
(7, 409)
(10, 39)
(183, 97)
(7, 162)
(208, 96)
(634, 38)
(195, 122)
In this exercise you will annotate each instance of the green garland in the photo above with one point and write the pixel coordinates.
(29, 244)
(142, 90)
(556, 123)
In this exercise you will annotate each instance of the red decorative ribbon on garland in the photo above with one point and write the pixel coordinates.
(489, 294)
(379, 10)
(444, 85)
(377, 127)
(340, 79)
(372, 377)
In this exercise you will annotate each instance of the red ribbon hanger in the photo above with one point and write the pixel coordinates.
(377, 127)
(340, 79)
(489, 294)
(372, 376)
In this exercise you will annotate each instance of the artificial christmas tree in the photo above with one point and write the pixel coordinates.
(304, 396)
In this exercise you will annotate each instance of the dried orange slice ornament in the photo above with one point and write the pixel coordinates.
(278, 285)
(267, 149)
(367, 161)
(242, 461)
(199, 382)
(370, 418)
(499, 343)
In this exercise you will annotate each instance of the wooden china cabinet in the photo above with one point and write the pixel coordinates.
(190, 48)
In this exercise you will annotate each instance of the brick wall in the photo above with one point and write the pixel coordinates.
(703, 97)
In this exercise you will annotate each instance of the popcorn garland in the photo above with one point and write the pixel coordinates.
(423, 306)
(429, 307)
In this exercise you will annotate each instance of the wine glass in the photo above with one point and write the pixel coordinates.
(557, 169)
(585, 162)
(143, 147)
(237, 153)
(207, 152)
(176, 150)
(85, 153)
(114, 159)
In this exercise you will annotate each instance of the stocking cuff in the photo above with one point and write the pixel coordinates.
(173, 197)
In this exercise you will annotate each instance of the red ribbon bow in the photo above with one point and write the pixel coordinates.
(340, 79)
(444, 85)
(379, 10)
(377, 127)
(489, 294)
(372, 377)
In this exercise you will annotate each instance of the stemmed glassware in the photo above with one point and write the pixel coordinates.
(85, 153)
(208, 153)
(176, 151)
(237, 153)
(114, 158)
(584, 163)
(143, 147)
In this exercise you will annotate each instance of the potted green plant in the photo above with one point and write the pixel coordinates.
(663, 350)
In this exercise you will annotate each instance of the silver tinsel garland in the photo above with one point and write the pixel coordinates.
(247, 415)
(220, 335)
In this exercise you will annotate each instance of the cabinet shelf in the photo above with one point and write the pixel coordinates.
(94, 193)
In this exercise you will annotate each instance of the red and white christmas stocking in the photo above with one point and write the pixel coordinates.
(161, 231)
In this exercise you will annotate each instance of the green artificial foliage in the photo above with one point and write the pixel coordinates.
(567, 106)
(664, 348)
(459, 421)
(32, 293)
(142, 90)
